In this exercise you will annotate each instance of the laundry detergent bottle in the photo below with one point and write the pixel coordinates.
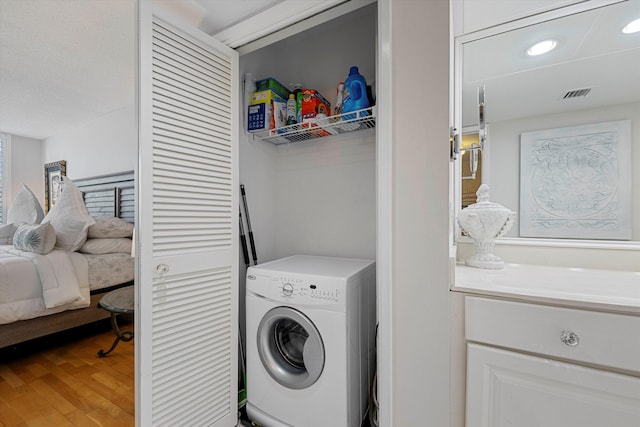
(354, 96)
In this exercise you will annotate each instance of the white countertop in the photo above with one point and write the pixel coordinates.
(577, 287)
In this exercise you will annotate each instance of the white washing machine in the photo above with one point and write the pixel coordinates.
(310, 341)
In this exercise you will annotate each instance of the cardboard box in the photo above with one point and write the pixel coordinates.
(279, 113)
(312, 103)
(272, 84)
(264, 97)
(267, 116)
(259, 117)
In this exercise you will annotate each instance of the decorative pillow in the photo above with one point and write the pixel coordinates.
(106, 246)
(6, 234)
(25, 208)
(70, 218)
(40, 238)
(109, 227)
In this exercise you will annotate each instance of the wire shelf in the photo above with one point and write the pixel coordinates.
(320, 128)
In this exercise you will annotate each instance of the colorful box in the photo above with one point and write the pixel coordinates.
(279, 113)
(259, 117)
(272, 84)
(312, 103)
(313, 106)
(266, 96)
(267, 115)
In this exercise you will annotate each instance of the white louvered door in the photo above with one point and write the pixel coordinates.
(186, 336)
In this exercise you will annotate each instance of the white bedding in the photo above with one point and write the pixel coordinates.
(23, 295)
(110, 269)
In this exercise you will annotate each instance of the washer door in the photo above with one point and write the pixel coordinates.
(290, 348)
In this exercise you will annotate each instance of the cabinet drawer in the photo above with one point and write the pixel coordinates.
(587, 336)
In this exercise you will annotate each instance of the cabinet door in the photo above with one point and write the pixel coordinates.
(474, 15)
(506, 388)
(186, 338)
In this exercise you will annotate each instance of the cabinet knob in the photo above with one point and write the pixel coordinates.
(570, 338)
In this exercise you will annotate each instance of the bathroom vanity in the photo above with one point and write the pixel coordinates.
(553, 338)
(549, 346)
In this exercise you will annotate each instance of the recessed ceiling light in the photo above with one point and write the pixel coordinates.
(632, 27)
(542, 47)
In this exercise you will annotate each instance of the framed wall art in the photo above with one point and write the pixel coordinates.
(575, 182)
(53, 173)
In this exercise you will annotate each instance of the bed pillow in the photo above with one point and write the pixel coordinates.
(25, 208)
(40, 238)
(70, 218)
(6, 234)
(106, 246)
(110, 227)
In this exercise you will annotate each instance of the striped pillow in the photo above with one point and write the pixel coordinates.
(39, 239)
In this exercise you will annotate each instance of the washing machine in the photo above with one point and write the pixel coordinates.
(310, 331)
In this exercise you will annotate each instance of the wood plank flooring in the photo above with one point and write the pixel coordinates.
(62, 382)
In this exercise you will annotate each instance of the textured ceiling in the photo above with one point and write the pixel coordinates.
(66, 62)
(63, 63)
(592, 53)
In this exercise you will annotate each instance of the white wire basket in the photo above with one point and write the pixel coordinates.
(320, 128)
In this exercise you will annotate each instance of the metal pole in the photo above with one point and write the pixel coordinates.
(246, 211)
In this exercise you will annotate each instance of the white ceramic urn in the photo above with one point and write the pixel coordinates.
(485, 221)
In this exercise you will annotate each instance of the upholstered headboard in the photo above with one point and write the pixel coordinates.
(109, 195)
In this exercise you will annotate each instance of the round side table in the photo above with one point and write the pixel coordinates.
(119, 301)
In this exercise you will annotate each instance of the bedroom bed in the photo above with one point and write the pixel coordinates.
(106, 198)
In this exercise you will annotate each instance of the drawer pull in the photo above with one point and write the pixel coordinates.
(570, 338)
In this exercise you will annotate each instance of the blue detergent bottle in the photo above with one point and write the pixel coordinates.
(354, 94)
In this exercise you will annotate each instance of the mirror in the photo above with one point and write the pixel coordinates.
(563, 128)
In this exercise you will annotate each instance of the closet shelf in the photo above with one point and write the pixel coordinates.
(319, 128)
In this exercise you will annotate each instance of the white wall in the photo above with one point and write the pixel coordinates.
(503, 173)
(26, 167)
(326, 197)
(475, 15)
(105, 145)
(418, 334)
(258, 174)
(316, 197)
(504, 153)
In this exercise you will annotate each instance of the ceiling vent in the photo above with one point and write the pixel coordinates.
(576, 93)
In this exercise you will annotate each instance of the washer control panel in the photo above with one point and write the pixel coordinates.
(302, 291)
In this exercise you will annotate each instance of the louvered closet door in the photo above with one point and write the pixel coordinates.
(188, 274)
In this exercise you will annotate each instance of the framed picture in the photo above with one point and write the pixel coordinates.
(575, 182)
(53, 173)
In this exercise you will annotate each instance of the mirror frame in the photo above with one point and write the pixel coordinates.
(456, 169)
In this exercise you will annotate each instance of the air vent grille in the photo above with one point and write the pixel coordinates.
(576, 93)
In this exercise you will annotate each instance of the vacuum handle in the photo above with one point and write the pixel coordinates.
(244, 251)
(253, 248)
(243, 240)
(246, 211)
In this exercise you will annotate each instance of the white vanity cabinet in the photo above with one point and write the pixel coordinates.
(536, 365)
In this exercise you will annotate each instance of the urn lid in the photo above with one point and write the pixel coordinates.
(482, 200)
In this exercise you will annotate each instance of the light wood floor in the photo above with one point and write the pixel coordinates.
(67, 384)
